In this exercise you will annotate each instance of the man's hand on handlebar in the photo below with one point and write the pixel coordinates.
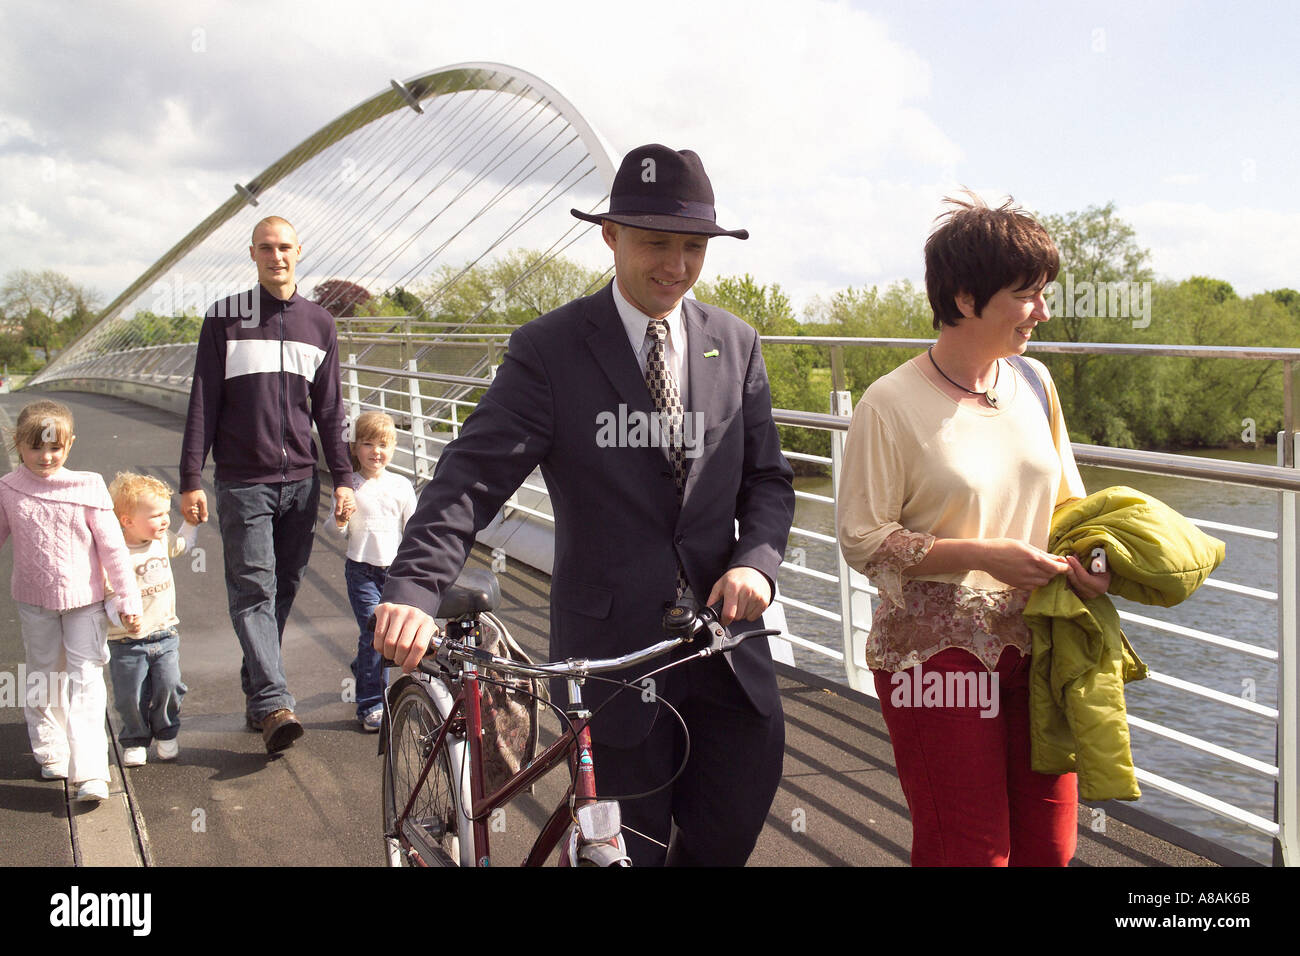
(403, 634)
(744, 593)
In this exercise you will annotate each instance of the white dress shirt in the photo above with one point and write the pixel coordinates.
(636, 322)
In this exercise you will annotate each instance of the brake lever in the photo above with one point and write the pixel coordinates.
(720, 639)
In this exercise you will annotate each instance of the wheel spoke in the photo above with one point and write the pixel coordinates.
(432, 825)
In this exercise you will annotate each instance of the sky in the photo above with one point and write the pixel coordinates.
(831, 130)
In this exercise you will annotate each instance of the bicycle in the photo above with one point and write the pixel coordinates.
(435, 809)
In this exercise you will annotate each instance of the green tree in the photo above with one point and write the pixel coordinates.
(409, 302)
(148, 328)
(1206, 399)
(13, 352)
(1289, 299)
(512, 290)
(70, 308)
(1103, 270)
(900, 311)
(1212, 290)
(40, 332)
(791, 369)
(49, 292)
(766, 308)
(382, 306)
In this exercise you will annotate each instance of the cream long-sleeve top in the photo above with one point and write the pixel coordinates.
(66, 539)
(921, 466)
(384, 504)
(151, 564)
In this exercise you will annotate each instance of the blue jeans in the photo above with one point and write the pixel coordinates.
(266, 534)
(365, 585)
(147, 688)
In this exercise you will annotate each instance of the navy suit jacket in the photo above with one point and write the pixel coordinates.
(619, 528)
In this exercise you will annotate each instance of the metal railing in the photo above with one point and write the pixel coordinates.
(428, 429)
(430, 407)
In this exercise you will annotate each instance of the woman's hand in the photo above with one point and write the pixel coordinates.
(1021, 565)
(1085, 584)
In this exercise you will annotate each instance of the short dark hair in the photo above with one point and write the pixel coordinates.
(980, 251)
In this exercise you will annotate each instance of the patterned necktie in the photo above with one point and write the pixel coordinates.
(667, 400)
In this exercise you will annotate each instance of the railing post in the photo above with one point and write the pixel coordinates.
(837, 371)
(1286, 851)
(1290, 410)
(855, 602)
(354, 390)
(418, 432)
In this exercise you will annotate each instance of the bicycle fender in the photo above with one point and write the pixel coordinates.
(603, 854)
(392, 691)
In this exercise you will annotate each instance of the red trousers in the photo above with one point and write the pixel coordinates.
(963, 761)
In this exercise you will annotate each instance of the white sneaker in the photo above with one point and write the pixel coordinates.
(134, 756)
(169, 749)
(50, 771)
(93, 790)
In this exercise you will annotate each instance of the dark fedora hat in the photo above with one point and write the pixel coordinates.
(663, 190)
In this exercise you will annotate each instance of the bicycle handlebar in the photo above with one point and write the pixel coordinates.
(684, 619)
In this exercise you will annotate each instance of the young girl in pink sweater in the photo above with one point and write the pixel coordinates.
(66, 539)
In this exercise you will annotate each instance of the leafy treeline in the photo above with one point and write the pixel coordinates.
(39, 313)
(1105, 293)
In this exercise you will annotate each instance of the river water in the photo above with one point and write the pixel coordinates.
(1250, 561)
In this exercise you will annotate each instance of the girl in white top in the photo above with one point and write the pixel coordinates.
(385, 502)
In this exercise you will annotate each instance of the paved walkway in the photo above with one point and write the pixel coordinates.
(225, 802)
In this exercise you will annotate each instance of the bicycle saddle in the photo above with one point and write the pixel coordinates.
(474, 592)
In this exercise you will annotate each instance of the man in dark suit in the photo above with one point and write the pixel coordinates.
(651, 419)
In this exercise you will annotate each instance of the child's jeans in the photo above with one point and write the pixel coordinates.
(65, 693)
(365, 585)
(147, 688)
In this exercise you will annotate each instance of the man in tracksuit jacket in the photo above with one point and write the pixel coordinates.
(267, 366)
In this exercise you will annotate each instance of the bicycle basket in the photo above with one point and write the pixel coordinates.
(510, 709)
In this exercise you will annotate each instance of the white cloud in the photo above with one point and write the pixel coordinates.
(797, 111)
(121, 129)
(1253, 249)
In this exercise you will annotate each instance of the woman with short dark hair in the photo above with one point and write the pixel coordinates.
(954, 464)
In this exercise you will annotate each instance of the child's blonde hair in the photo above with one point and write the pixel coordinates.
(369, 427)
(128, 490)
(42, 421)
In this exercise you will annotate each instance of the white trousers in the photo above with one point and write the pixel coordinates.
(66, 698)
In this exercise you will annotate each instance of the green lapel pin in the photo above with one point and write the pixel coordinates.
(711, 353)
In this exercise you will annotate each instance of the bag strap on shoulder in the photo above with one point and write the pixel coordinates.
(1022, 365)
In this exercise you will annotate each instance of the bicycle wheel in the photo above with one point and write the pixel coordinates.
(436, 829)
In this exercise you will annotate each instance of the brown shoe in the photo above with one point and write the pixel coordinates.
(280, 728)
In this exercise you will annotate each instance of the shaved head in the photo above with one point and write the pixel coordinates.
(274, 221)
